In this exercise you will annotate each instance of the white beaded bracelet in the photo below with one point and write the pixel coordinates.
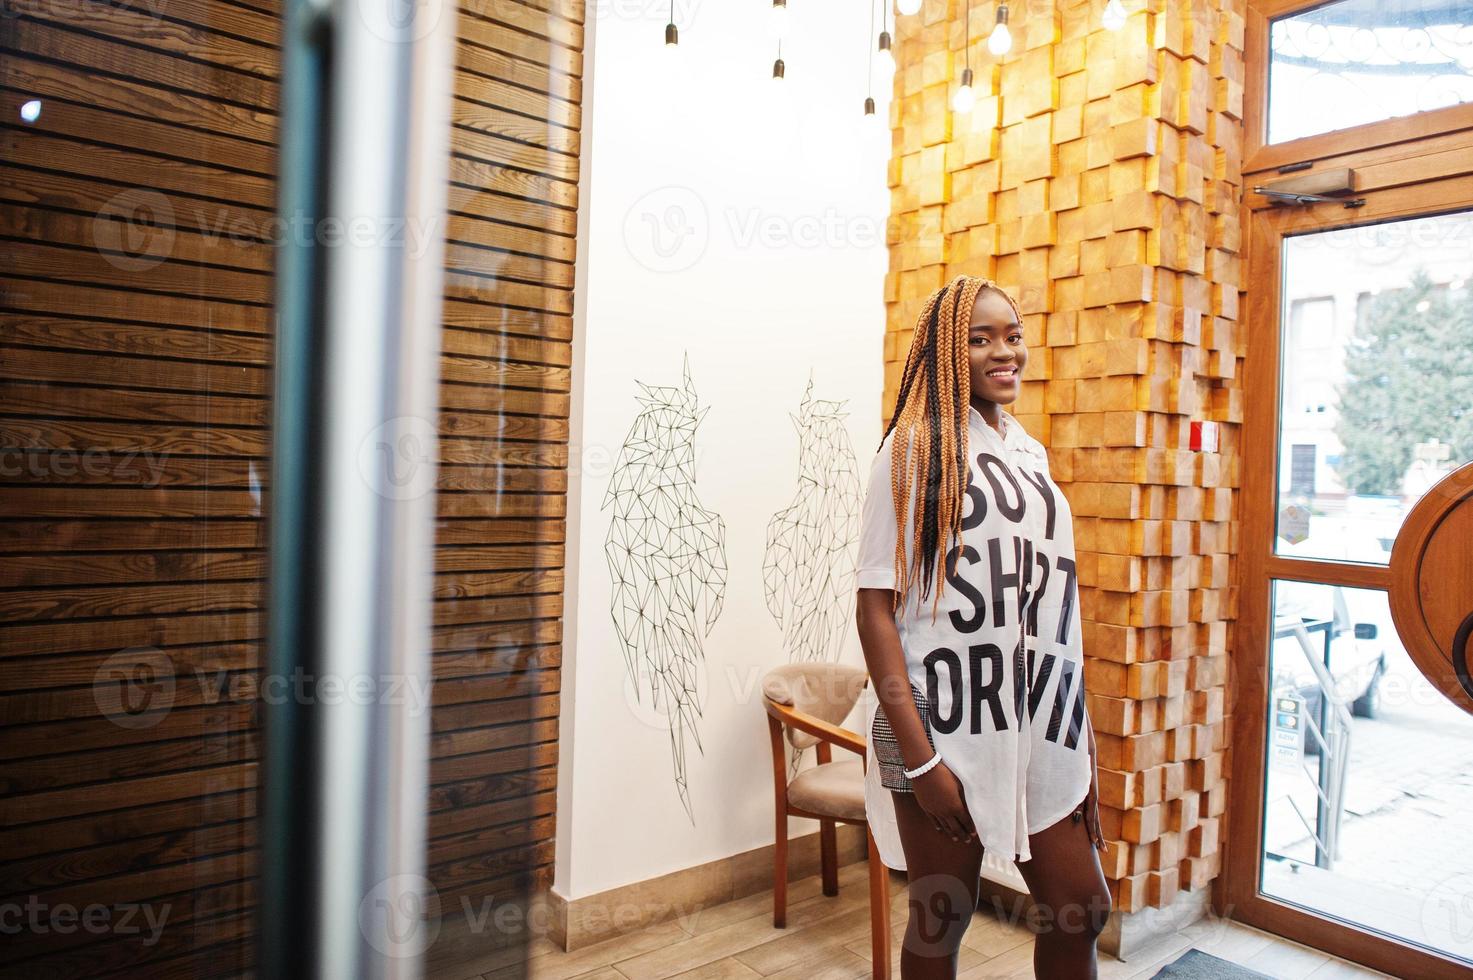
(923, 768)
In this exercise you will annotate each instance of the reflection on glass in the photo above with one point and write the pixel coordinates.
(1367, 794)
(1376, 397)
(1359, 61)
(136, 325)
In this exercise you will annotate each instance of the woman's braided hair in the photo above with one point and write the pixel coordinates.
(932, 412)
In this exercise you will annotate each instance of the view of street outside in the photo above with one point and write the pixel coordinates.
(1402, 864)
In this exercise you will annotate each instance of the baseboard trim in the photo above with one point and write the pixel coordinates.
(629, 908)
(571, 925)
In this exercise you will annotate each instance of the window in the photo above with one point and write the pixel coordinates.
(1354, 62)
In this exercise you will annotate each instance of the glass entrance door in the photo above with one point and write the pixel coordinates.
(1350, 793)
(1356, 784)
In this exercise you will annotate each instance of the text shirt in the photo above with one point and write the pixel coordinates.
(1015, 567)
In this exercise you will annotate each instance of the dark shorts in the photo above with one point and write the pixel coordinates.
(887, 749)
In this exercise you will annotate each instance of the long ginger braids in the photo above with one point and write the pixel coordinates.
(932, 412)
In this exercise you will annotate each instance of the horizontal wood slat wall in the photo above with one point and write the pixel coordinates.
(135, 282)
(135, 382)
(503, 480)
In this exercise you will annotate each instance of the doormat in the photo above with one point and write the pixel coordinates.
(1197, 965)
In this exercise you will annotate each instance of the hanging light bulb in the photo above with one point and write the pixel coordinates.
(1115, 15)
(672, 36)
(884, 59)
(780, 18)
(964, 98)
(885, 56)
(778, 68)
(869, 78)
(1000, 41)
(907, 7)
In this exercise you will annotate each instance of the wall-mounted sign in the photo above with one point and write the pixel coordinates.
(1286, 736)
(1432, 585)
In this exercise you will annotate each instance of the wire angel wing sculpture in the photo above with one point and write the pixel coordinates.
(808, 570)
(667, 558)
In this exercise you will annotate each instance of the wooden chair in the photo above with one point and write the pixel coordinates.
(808, 701)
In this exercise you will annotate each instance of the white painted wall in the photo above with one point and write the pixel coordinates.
(781, 198)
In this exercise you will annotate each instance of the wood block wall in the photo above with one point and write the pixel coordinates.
(1098, 180)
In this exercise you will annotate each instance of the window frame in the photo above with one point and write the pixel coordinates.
(1344, 145)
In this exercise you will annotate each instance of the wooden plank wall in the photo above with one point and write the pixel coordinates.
(135, 346)
(504, 448)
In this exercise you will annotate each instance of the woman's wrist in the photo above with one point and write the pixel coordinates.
(924, 767)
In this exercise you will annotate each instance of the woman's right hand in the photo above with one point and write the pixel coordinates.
(940, 794)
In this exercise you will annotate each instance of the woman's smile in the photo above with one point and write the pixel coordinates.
(1007, 373)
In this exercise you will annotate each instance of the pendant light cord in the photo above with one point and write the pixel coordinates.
(869, 78)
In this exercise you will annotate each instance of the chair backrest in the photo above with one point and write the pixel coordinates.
(827, 691)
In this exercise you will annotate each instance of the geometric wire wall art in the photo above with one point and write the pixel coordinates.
(667, 559)
(808, 570)
(809, 565)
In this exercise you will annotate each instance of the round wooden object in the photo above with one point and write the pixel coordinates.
(1432, 585)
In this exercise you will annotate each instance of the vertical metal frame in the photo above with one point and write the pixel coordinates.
(361, 197)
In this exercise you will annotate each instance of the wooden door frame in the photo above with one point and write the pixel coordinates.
(1238, 896)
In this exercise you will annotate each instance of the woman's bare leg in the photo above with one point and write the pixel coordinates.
(1068, 887)
(943, 887)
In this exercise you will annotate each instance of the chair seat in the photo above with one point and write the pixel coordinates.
(834, 789)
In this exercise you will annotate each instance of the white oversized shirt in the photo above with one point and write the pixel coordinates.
(1016, 566)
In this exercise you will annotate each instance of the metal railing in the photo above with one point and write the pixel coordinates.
(1331, 732)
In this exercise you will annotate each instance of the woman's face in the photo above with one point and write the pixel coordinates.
(997, 351)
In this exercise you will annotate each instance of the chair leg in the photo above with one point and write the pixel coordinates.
(829, 856)
(879, 911)
(780, 872)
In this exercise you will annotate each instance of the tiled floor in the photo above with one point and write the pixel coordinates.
(827, 938)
